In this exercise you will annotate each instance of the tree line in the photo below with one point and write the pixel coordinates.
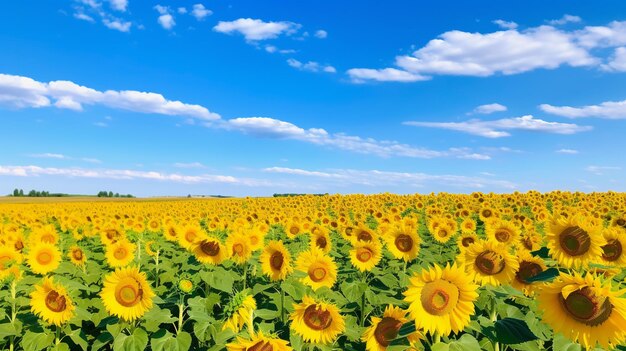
(43, 193)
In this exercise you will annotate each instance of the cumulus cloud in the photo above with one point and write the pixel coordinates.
(311, 66)
(273, 128)
(499, 128)
(200, 12)
(360, 75)
(489, 108)
(119, 5)
(506, 52)
(565, 19)
(505, 24)
(21, 92)
(166, 20)
(321, 34)
(391, 178)
(116, 24)
(608, 110)
(256, 29)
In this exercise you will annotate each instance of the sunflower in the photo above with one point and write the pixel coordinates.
(9, 262)
(489, 263)
(403, 242)
(171, 232)
(384, 330)
(465, 240)
(209, 250)
(238, 247)
(530, 240)
(43, 258)
(154, 225)
(126, 293)
(317, 322)
(613, 251)
(585, 309)
(188, 236)
(487, 213)
(529, 266)
(321, 269)
(51, 302)
(503, 232)
(46, 234)
(259, 342)
(441, 300)
(239, 311)
(293, 229)
(256, 238)
(320, 239)
(442, 229)
(276, 261)
(120, 254)
(574, 241)
(77, 256)
(468, 226)
(365, 256)
(364, 234)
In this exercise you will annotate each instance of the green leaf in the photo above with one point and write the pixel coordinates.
(547, 275)
(61, 347)
(137, 341)
(266, 314)
(157, 316)
(561, 343)
(219, 279)
(36, 341)
(509, 331)
(79, 338)
(7, 329)
(465, 343)
(166, 341)
(354, 291)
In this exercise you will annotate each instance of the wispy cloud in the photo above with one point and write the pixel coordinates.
(189, 165)
(489, 108)
(57, 156)
(501, 127)
(602, 170)
(311, 66)
(567, 151)
(608, 110)
(256, 29)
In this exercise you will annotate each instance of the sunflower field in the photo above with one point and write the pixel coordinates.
(441, 272)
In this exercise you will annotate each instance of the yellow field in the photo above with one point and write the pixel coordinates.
(382, 272)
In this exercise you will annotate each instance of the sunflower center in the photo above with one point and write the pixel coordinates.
(489, 262)
(128, 293)
(317, 274)
(211, 248)
(238, 249)
(442, 233)
(321, 242)
(621, 222)
(404, 243)
(503, 236)
(55, 302)
(487, 213)
(120, 253)
(3, 260)
(171, 232)
(294, 230)
(439, 297)
(77, 254)
(317, 319)
(254, 239)
(348, 231)
(527, 270)
(612, 250)
(44, 257)
(467, 241)
(19, 245)
(261, 346)
(190, 236)
(587, 308)
(276, 260)
(364, 236)
(364, 254)
(575, 241)
(47, 238)
(387, 330)
(527, 242)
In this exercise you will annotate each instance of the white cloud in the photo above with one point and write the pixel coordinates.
(567, 151)
(90, 160)
(499, 128)
(119, 5)
(505, 24)
(21, 92)
(101, 124)
(50, 155)
(617, 62)
(360, 75)
(489, 108)
(162, 9)
(189, 165)
(34, 171)
(273, 128)
(82, 16)
(117, 24)
(390, 178)
(608, 109)
(166, 21)
(612, 35)
(256, 29)
(565, 19)
(310, 66)
(200, 12)
(602, 170)
(182, 10)
(321, 34)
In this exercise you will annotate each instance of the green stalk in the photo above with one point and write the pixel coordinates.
(436, 338)
(139, 253)
(245, 275)
(13, 310)
(282, 304)
(494, 318)
(157, 268)
(57, 339)
(181, 314)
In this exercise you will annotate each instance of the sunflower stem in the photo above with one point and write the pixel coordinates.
(436, 338)
(245, 275)
(156, 261)
(57, 339)
(282, 304)
(494, 318)
(181, 314)
(139, 253)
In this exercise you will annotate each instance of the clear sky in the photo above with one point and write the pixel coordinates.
(257, 97)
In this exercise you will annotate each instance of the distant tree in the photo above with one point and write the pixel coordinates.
(116, 195)
(21, 192)
(16, 192)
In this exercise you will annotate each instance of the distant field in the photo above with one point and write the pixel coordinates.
(30, 200)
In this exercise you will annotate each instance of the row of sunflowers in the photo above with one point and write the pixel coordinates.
(522, 271)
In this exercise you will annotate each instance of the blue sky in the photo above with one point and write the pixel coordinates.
(252, 98)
